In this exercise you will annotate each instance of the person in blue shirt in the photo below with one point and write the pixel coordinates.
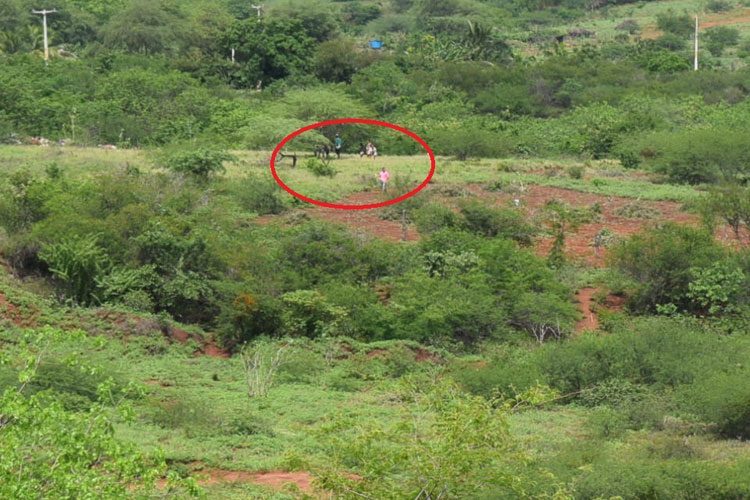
(338, 143)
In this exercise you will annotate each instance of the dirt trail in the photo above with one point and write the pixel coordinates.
(589, 320)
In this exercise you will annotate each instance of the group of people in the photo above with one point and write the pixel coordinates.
(338, 144)
(370, 150)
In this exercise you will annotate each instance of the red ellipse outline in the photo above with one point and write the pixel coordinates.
(352, 120)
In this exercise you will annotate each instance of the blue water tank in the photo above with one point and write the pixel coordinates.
(375, 44)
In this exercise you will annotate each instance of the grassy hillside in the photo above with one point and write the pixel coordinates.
(561, 313)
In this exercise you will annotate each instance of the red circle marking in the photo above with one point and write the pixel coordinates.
(352, 120)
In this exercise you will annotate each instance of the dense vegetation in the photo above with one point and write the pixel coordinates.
(481, 78)
(167, 311)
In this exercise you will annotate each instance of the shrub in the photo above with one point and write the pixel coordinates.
(706, 155)
(575, 172)
(721, 37)
(507, 376)
(321, 168)
(444, 310)
(434, 216)
(258, 194)
(679, 24)
(76, 264)
(660, 263)
(200, 163)
(722, 399)
(612, 392)
(629, 159)
(636, 210)
(486, 221)
(247, 316)
(307, 313)
(718, 6)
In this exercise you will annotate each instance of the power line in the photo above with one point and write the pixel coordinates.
(44, 13)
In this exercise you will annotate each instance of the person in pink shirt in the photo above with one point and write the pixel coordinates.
(384, 175)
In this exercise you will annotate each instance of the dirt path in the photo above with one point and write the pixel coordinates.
(589, 320)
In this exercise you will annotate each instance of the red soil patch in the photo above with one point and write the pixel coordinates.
(10, 311)
(275, 479)
(709, 21)
(589, 321)
(734, 17)
(208, 348)
(579, 245)
(423, 355)
(365, 220)
(377, 352)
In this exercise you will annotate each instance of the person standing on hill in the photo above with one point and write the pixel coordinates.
(338, 143)
(384, 176)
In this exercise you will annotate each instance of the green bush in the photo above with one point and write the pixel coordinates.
(722, 399)
(200, 163)
(575, 172)
(719, 6)
(660, 262)
(721, 37)
(481, 219)
(433, 217)
(258, 194)
(307, 313)
(697, 156)
(321, 168)
(76, 264)
(612, 392)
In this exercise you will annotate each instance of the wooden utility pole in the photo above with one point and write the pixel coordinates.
(44, 13)
(696, 43)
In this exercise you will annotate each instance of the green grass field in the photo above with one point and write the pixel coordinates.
(355, 174)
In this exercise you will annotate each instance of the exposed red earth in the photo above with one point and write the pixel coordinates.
(10, 311)
(589, 321)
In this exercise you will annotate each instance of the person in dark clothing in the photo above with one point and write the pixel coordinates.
(338, 144)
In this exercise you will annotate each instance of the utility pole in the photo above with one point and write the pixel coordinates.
(696, 43)
(44, 13)
(258, 9)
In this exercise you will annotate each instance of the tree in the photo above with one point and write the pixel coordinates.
(144, 27)
(267, 51)
(562, 219)
(662, 262)
(721, 37)
(337, 60)
(442, 444)
(731, 203)
(670, 22)
(47, 451)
